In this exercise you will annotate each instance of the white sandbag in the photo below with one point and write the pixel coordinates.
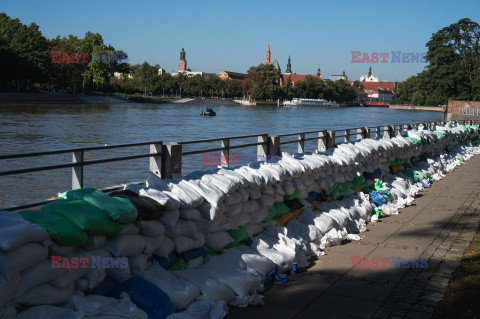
(195, 262)
(138, 264)
(210, 192)
(150, 228)
(170, 218)
(164, 198)
(267, 189)
(204, 309)
(190, 214)
(239, 220)
(48, 312)
(165, 248)
(250, 206)
(183, 228)
(21, 258)
(254, 228)
(278, 198)
(95, 277)
(55, 249)
(94, 242)
(253, 259)
(257, 216)
(234, 176)
(129, 229)
(16, 231)
(233, 198)
(184, 243)
(234, 210)
(77, 265)
(152, 244)
(218, 240)
(288, 188)
(95, 306)
(278, 189)
(255, 180)
(222, 182)
(266, 201)
(244, 193)
(180, 291)
(36, 275)
(210, 211)
(46, 294)
(188, 197)
(125, 246)
(8, 288)
(210, 288)
(82, 284)
(255, 193)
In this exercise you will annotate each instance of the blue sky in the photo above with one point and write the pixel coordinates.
(233, 35)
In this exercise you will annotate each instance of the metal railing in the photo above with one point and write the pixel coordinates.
(166, 159)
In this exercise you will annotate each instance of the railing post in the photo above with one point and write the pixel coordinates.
(330, 139)
(156, 160)
(366, 132)
(273, 146)
(225, 154)
(322, 141)
(360, 134)
(171, 160)
(346, 139)
(77, 171)
(377, 132)
(301, 143)
(262, 149)
(386, 131)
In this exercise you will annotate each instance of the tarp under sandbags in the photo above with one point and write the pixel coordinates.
(147, 208)
(119, 209)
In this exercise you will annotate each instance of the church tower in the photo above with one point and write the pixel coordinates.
(289, 67)
(267, 56)
(319, 73)
(182, 63)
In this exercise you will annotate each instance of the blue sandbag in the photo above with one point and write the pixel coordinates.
(147, 297)
(165, 262)
(193, 253)
(105, 288)
(377, 198)
(311, 196)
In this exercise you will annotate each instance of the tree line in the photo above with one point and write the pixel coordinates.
(453, 70)
(31, 62)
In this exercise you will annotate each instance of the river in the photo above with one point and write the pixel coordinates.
(28, 128)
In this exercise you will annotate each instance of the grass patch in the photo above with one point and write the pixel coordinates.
(148, 99)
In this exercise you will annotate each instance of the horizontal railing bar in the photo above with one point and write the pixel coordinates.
(69, 165)
(245, 145)
(93, 148)
(219, 139)
(204, 151)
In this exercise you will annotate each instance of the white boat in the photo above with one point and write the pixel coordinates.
(310, 102)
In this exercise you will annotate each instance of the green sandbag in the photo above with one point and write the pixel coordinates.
(62, 230)
(239, 235)
(179, 264)
(439, 134)
(415, 141)
(272, 211)
(281, 209)
(89, 218)
(377, 211)
(375, 187)
(295, 195)
(411, 175)
(119, 209)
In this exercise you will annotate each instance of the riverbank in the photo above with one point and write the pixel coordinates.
(147, 99)
(417, 108)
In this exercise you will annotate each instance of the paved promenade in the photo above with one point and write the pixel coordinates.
(438, 226)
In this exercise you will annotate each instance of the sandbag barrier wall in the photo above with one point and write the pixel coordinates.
(221, 232)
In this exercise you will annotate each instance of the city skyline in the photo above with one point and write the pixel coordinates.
(232, 36)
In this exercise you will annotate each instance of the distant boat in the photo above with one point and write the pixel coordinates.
(310, 102)
(209, 113)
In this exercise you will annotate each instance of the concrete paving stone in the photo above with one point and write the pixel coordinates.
(262, 312)
(304, 288)
(333, 263)
(419, 236)
(418, 315)
(308, 314)
(362, 290)
(338, 305)
(354, 248)
(379, 232)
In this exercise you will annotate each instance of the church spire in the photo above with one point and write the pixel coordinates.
(370, 71)
(289, 67)
(267, 56)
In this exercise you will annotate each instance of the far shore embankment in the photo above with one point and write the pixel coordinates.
(417, 108)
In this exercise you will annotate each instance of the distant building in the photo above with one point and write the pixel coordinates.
(267, 55)
(120, 75)
(289, 67)
(369, 77)
(161, 71)
(376, 91)
(336, 77)
(228, 75)
(182, 67)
